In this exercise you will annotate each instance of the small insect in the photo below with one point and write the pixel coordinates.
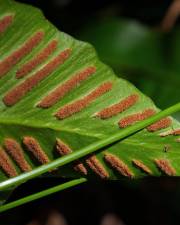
(167, 148)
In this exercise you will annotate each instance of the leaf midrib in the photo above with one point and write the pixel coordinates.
(40, 125)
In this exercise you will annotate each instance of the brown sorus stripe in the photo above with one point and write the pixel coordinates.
(131, 119)
(170, 132)
(6, 164)
(163, 123)
(97, 167)
(176, 132)
(165, 166)
(7, 63)
(33, 146)
(5, 22)
(16, 152)
(79, 167)
(141, 166)
(16, 94)
(118, 107)
(82, 103)
(37, 60)
(64, 149)
(119, 165)
(66, 87)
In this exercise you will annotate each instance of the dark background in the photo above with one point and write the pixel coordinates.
(151, 201)
(71, 15)
(144, 202)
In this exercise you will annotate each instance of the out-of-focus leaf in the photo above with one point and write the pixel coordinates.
(125, 43)
(150, 59)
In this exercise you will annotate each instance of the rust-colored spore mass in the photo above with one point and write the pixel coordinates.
(119, 165)
(66, 87)
(82, 103)
(176, 132)
(165, 166)
(6, 164)
(7, 63)
(33, 146)
(17, 93)
(163, 123)
(37, 60)
(118, 107)
(170, 132)
(79, 167)
(16, 152)
(131, 119)
(97, 167)
(5, 22)
(141, 166)
(64, 149)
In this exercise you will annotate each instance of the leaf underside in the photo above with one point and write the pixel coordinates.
(53, 92)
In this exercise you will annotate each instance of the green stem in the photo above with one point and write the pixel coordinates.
(42, 194)
(89, 149)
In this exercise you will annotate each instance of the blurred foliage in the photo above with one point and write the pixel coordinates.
(147, 57)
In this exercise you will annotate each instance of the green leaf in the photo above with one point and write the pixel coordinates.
(36, 59)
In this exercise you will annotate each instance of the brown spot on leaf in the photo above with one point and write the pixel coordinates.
(176, 132)
(97, 167)
(37, 60)
(6, 164)
(170, 132)
(64, 149)
(141, 166)
(16, 152)
(17, 93)
(165, 166)
(66, 87)
(7, 63)
(82, 103)
(79, 167)
(131, 119)
(33, 146)
(5, 22)
(119, 165)
(163, 123)
(118, 107)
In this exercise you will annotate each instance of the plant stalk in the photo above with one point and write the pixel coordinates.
(41, 194)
